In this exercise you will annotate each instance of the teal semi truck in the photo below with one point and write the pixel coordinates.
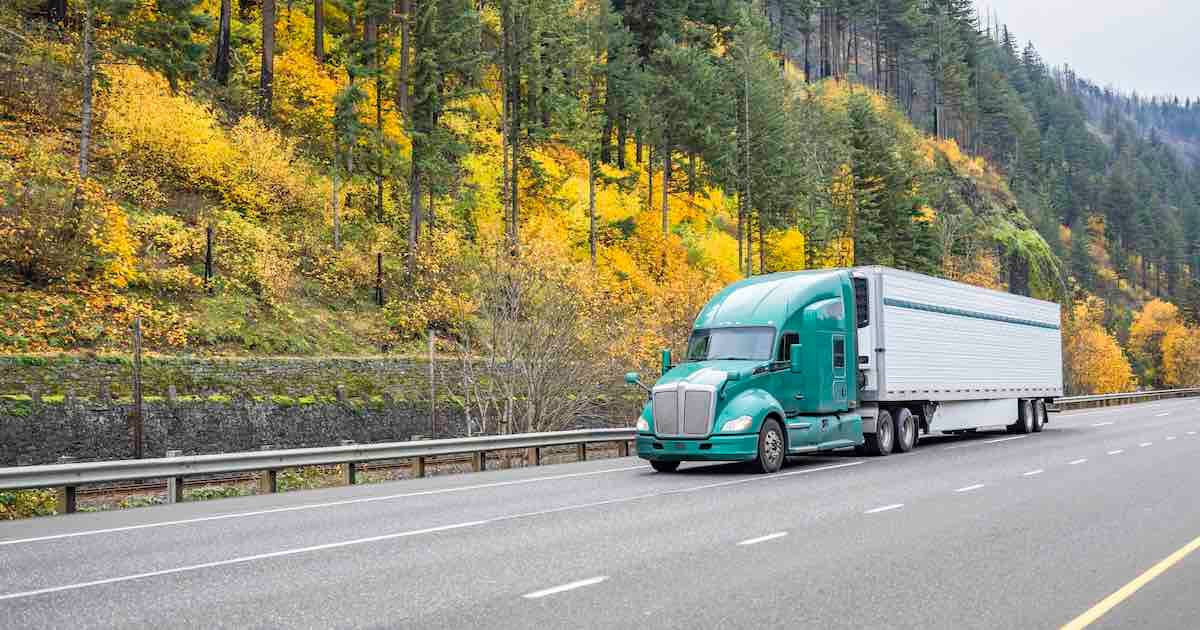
(869, 358)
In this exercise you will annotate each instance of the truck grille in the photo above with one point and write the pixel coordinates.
(690, 416)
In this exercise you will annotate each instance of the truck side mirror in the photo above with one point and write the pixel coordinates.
(666, 361)
(633, 379)
(794, 355)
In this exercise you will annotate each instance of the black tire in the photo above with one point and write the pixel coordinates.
(881, 441)
(772, 448)
(1024, 418)
(905, 434)
(664, 466)
(1039, 416)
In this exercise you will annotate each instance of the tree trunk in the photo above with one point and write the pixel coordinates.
(592, 206)
(267, 75)
(414, 210)
(335, 202)
(221, 66)
(762, 248)
(89, 77)
(318, 29)
(402, 97)
(621, 140)
(692, 174)
(666, 189)
(56, 11)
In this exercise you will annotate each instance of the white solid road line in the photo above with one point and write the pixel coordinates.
(1145, 444)
(1101, 424)
(313, 506)
(761, 539)
(241, 560)
(565, 587)
(1116, 452)
(1016, 437)
(1033, 473)
(970, 488)
(1078, 461)
(886, 508)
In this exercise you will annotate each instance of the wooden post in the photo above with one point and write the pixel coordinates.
(174, 484)
(65, 500)
(379, 279)
(208, 260)
(533, 456)
(581, 452)
(348, 473)
(137, 419)
(623, 449)
(418, 467)
(268, 482)
(432, 391)
(479, 461)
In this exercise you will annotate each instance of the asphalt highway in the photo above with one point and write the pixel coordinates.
(1089, 522)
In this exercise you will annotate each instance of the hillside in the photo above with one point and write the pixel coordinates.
(413, 172)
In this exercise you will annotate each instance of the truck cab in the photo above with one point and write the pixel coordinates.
(770, 371)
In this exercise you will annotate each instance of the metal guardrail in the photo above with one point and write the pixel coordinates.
(66, 477)
(1107, 400)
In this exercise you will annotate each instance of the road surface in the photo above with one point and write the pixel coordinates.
(990, 531)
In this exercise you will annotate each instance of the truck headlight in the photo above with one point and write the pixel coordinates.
(737, 425)
(642, 425)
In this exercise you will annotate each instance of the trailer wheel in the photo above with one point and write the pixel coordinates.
(1024, 418)
(771, 448)
(1039, 415)
(880, 442)
(906, 431)
(664, 466)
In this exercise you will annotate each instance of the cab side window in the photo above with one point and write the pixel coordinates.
(785, 346)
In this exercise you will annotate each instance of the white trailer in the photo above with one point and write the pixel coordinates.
(958, 357)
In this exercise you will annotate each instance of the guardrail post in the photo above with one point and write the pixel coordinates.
(418, 466)
(65, 495)
(65, 500)
(174, 484)
(533, 456)
(479, 461)
(623, 449)
(581, 451)
(348, 473)
(268, 480)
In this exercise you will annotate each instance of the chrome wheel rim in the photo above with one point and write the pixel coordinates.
(906, 430)
(773, 445)
(885, 435)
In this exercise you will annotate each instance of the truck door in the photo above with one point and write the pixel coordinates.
(838, 391)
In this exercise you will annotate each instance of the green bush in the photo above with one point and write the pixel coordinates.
(16, 504)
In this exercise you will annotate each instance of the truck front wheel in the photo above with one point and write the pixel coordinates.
(881, 441)
(664, 466)
(771, 448)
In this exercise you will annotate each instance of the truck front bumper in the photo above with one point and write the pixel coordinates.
(723, 448)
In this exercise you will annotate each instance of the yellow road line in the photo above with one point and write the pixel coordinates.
(1110, 602)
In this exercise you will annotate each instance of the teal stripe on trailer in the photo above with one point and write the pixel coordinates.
(958, 312)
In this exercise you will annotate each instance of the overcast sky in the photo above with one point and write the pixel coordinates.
(1152, 46)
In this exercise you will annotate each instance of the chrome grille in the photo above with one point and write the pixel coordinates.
(666, 413)
(683, 412)
(696, 405)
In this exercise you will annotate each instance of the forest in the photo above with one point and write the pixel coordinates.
(558, 183)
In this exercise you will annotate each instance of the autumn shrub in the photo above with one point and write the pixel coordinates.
(15, 504)
(1092, 359)
(250, 258)
(1181, 356)
(56, 227)
(1146, 336)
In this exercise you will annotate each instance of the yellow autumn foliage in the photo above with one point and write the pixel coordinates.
(1146, 334)
(1181, 356)
(1093, 360)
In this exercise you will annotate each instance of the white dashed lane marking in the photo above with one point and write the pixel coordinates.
(970, 488)
(1165, 413)
(1101, 424)
(1033, 473)
(1116, 452)
(886, 508)
(570, 586)
(762, 539)
(1078, 461)
(1145, 444)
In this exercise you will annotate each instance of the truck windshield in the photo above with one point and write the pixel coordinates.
(731, 343)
